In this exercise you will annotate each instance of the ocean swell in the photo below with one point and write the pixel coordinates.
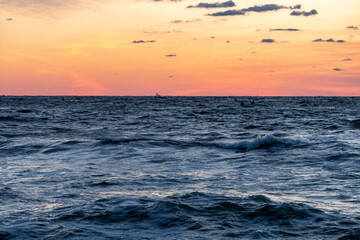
(211, 215)
(258, 143)
(246, 145)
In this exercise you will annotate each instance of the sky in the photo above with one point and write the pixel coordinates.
(180, 48)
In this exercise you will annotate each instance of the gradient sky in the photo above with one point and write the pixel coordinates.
(140, 47)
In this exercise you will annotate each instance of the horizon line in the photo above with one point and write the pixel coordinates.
(180, 96)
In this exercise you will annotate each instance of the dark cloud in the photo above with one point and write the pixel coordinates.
(347, 59)
(352, 27)
(338, 69)
(264, 8)
(257, 8)
(304, 13)
(318, 40)
(170, 55)
(214, 5)
(285, 29)
(328, 40)
(227, 13)
(9, 19)
(296, 7)
(185, 21)
(142, 41)
(228, 41)
(268, 41)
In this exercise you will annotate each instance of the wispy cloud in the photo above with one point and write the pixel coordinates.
(353, 27)
(304, 13)
(142, 41)
(328, 40)
(214, 5)
(285, 29)
(227, 13)
(268, 40)
(185, 21)
(347, 59)
(265, 8)
(162, 32)
(170, 55)
(256, 8)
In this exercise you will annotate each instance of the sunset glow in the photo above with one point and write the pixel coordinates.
(140, 47)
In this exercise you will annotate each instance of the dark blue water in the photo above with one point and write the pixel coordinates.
(179, 168)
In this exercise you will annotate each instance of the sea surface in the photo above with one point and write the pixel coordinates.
(179, 168)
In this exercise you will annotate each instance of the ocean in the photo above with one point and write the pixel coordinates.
(179, 168)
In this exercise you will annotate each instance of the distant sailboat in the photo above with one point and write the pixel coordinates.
(157, 95)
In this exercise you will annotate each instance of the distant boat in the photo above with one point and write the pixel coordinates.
(157, 95)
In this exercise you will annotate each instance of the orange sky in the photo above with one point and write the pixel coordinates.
(79, 47)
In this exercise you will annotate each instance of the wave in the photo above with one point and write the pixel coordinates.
(8, 193)
(355, 123)
(258, 143)
(22, 149)
(343, 156)
(102, 184)
(24, 111)
(18, 119)
(196, 204)
(109, 140)
(206, 214)
(18, 148)
(7, 118)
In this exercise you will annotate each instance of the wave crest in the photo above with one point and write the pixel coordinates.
(109, 140)
(216, 215)
(258, 143)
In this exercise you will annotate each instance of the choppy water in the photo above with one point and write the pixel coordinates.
(179, 168)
